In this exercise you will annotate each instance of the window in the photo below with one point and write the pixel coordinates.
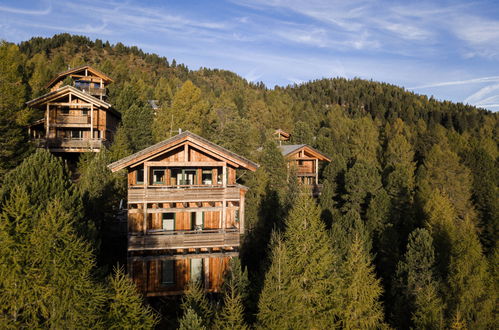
(196, 270)
(158, 176)
(65, 110)
(197, 220)
(207, 177)
(168, 221)
(76, 134)
(237, 216)
(140, 176)
(84, 112)
(182, 177)
(168, 272)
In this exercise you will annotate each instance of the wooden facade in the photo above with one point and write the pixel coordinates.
(77, 117)
(185, 213)
(303, 160)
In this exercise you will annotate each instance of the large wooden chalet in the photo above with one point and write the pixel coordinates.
(303, 161)
(185, 213)
(77, 117)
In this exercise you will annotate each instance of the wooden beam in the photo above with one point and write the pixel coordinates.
(215, 254)
(185, 164)
(91, 120)
(186, 152)
(47, 128)
(71, 104)
(177, 210)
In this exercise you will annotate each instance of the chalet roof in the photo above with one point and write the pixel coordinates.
(289, 149)
(157, 148)
(63, 74)
(279, 132)
(65, 90)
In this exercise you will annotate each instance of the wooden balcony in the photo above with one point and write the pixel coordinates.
(69, 145)
(70, 120)
(93, 91)
(181, 194)
(167, 240)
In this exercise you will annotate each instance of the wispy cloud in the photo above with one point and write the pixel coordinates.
(13, 10)
(459, 82)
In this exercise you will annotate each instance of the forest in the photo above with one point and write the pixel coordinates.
(404, 234)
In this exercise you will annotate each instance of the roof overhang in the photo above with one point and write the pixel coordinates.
(194, 140)
(312, 151)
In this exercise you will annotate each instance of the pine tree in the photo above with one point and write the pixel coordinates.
(137, 125)
(361, 307)
(469, 280)
(313, 269)
(191, 321)
(418, 289)
(12, 97)
(120, 147)
(276, 298)
(126, 309)
(196, 300)
(232, 314)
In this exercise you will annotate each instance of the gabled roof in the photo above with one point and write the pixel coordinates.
(62, 75)
(174, 142)
(290, 149)
(63, 91)
(282, 134)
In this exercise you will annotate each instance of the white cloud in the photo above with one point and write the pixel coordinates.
(11, 10)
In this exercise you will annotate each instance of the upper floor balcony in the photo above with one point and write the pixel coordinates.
(95, 91)
(189, 239)
(183, 193)
(76, 145)
(68, 120)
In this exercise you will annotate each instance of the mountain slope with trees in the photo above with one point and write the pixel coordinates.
(403, 235)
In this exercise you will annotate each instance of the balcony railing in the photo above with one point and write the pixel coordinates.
(69, 143)
(93, 90)
(154, 194)
(165, 240)
(70, 119)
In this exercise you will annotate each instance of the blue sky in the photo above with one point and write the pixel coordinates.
(449, 49)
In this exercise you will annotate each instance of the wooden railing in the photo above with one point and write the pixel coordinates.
(93, 90)
(163, 240)
(183, 194)
(71, 119)
(69, 143)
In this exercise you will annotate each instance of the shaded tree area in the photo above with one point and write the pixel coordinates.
(403, 235)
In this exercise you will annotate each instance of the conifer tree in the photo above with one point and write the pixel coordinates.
(417, 284)
(120, 147)
(361, 307)
(231, 316)
(12, 97)
(191, 321)
(313, 269)
(276, 298)
(136, 123)
(469, 280)
(126, 309)
(196, 300)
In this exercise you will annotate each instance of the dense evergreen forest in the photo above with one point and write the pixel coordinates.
(404, 234)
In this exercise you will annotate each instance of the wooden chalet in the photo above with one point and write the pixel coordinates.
(77, 117)
(281, 135)
(185, 213)
(304, 160)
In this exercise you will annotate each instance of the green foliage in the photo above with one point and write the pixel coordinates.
(302, 281)
(191, 321)
(195, 300)
(12, 97)
(136, 123)
(416, 280)
(361, 307)
(126, 308)
(231, 316)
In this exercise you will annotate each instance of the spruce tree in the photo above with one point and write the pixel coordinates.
(276, 298)
(361, 306)
(196, 300)
(191, 321)
(417, 286)
(231, 316)
(313, 265)
(126, 309)
(13, 139)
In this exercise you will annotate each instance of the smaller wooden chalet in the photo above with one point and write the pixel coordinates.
(76, 117)
(281, 135)
(304, 160)
(85, 78)
(185, 213)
